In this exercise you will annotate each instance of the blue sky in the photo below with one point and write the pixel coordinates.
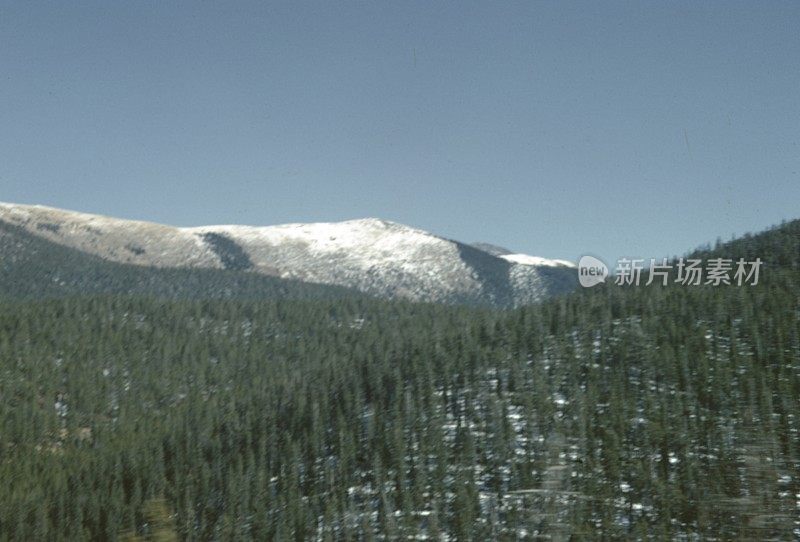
(552, 128)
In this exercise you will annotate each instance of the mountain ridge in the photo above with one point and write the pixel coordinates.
(371, 255)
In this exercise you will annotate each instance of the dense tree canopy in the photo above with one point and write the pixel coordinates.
(617, 412)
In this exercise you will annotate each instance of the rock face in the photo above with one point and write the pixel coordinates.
(374, 256)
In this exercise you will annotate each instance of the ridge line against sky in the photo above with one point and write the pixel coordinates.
(621, 129)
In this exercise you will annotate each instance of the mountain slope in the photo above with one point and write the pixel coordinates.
(373, 256)
(612, 413)
(32, 268)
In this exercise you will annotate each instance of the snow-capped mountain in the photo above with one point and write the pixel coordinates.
(370, 255)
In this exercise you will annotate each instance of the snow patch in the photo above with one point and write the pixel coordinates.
(525, 259)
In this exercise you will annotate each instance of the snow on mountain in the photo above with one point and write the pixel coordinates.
(372, 255)
(494, 250)
(524, 259)
(125, 241)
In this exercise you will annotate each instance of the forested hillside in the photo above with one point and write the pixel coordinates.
(617, 412)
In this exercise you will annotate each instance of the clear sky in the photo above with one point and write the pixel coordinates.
(552, 128)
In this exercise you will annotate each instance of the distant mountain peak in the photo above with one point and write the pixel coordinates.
(494, 250)
(525, 259)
